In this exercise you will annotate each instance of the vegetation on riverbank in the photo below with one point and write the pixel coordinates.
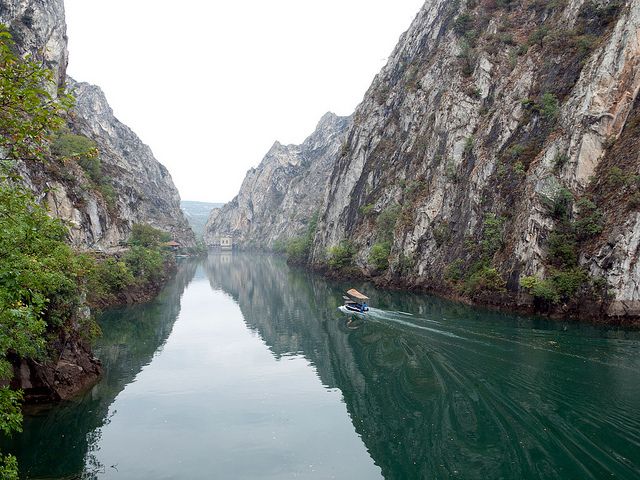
(44, 284)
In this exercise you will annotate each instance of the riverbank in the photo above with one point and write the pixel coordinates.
(70, 367)
(580, 309)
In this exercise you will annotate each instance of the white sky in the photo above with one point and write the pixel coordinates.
(210, 85)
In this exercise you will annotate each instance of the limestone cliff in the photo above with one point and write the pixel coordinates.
(136, 188)
(144, 190)
(39, 29)
(278, 198)
(491, 136)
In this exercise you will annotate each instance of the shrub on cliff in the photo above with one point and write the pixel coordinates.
(298, 249)
(379, 256)
(342, 256)
(68, 146)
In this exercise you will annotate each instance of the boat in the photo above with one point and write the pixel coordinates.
(356, 302)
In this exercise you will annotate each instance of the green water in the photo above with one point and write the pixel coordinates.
(245, 369)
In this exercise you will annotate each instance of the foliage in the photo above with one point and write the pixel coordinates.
(386, 223)
(454, 272)
(549, 106)
(491, 234)
(342, 256)
(107, 277)
(279, 246)
(143, 235)
(39, 289)
(405, 265)
(30, 114)
(589, 221)
(468, 146)
(537, 36)
(562, 249)
(68, 146)
(562, 285)
(559, 207)
(484, 279)
(299, 248)
(8, 467)
(541, 289)
(616, 177)
(145, 264)
(559, 161)
(463, 24)
(367, 209)
(379, 256)
(441, 233)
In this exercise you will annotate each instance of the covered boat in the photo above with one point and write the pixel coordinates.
(355, 301)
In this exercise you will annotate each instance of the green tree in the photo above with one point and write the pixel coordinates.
(37, 271)
(143, 235)
(29, 114)
(38, 289)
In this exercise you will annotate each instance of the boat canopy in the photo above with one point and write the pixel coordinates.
(353, 293)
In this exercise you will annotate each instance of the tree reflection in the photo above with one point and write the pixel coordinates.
(61, 442)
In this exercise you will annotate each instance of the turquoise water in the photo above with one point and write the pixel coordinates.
(244, 369)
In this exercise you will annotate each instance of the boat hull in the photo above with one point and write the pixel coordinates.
(352, 310)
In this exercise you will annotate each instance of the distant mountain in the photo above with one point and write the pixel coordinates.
(197, 214)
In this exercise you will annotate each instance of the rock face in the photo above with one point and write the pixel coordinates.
(133, 188)
(485, 116)
(145, 192)
(39, 29)
(140, 188)
(278, 199)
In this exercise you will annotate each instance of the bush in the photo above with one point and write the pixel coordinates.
(550, 106)
(454, 272)
(590, 219)
(485, 279)
(441, 233)
(562, 250)
(81, 149)
(366, 210)
(540, 289)
(146, 264)
(386, 223)
(379, 256)
(405, 265)
(143, 235)
(562, 285)
(342, 256)
(299, 248)
(491, 234)
(559, 207)
(559, 162)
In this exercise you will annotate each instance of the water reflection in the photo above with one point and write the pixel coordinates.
(59, 442)
(440, 390)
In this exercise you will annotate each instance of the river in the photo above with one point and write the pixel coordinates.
(243, 368)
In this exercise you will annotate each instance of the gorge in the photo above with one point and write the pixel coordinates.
(482, 162)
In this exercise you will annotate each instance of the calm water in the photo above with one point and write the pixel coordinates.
(245, 369)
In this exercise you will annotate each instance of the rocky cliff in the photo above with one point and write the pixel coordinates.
(494, 138)
(278, 198)
(133, 187)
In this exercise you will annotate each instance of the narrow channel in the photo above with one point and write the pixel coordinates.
(244, 368)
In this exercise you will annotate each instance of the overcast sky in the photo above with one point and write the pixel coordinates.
(210, 85)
